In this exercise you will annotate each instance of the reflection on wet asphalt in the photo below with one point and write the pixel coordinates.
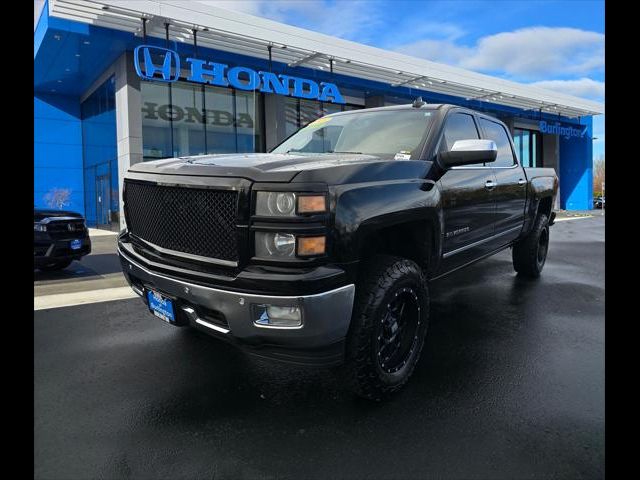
(510, 385)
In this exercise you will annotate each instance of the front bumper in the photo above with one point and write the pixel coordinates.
(229, 315)
(47, 251)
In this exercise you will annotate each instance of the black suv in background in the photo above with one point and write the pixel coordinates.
(598, 202)
(59, 237)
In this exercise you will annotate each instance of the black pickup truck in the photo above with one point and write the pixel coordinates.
(321, 252)
(59, 237)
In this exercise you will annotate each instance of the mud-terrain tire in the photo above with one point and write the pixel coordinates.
(530, 253)
(390, 319)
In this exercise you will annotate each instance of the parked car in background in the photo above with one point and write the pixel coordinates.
(598, 202)
(59, 237)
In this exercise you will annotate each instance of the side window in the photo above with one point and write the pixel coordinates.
(496, 132)
(459, 126)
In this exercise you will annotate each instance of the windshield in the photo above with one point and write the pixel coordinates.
(392, 133)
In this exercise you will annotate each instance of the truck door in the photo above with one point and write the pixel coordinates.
(468, 199)
(510, 193)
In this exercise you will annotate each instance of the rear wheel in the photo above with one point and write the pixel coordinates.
(55, 265)
(388, 327)
(530, 254)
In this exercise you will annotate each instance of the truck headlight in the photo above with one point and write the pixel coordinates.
(39, 227)
(287, 245)
(289, 204)
(276, 204)
(278, 245)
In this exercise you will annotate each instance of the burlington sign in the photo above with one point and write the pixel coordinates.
(564, 131)
(167, 69)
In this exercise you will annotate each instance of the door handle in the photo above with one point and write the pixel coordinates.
(490, 185)
(522, 182)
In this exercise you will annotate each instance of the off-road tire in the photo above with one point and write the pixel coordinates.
(381, 281)
(530, 254)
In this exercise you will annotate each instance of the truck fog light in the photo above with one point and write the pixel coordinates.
(276, 316)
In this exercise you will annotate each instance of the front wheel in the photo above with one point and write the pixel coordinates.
(530, 254)
(388, 327)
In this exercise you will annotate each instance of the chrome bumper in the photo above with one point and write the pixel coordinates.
(325, 316)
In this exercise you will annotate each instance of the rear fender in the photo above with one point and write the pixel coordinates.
(539, 188)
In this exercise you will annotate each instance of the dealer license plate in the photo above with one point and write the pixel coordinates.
(161, 306)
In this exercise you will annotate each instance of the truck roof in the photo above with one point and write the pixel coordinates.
(408, 106)
(443, 107)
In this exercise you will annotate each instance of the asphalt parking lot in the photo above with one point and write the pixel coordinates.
(510, 385)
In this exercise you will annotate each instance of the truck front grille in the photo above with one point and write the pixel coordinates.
(60, 229)
(194, 221)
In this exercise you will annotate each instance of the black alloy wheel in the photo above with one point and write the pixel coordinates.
(398, 331)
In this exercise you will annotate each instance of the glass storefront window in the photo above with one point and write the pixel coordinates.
(222, 120)
(309, 111)
(528, 147)
(300, 112)
(221, 133)
(292, 122)
(187, 117)
(99, 156)
(156, 121)
(526, 155)
(248, 115)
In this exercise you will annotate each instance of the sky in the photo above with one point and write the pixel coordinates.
(558, 45)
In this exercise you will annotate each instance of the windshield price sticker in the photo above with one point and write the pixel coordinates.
(403, 155)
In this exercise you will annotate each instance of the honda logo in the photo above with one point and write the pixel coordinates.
(169, 61)
(167, 69)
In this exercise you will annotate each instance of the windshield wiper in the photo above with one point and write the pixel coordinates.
(354, 153)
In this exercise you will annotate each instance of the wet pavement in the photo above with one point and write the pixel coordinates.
(100, 269)
(510, 385)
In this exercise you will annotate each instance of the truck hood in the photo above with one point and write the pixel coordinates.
(40, 214)
(260, 167)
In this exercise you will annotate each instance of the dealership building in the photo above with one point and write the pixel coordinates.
(121, 82)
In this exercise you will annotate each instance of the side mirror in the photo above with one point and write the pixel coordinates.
(466, 152)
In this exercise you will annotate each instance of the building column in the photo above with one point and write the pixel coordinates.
(551, 159)
(576, 169)
(274, 119)
(128, 120)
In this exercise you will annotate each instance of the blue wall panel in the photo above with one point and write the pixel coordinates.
(98, 113)
(55, 155)
(57, 149)
(66, 132)
(576, 170)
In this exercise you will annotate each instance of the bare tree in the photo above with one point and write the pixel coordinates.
(598, 176)
(57, 198)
